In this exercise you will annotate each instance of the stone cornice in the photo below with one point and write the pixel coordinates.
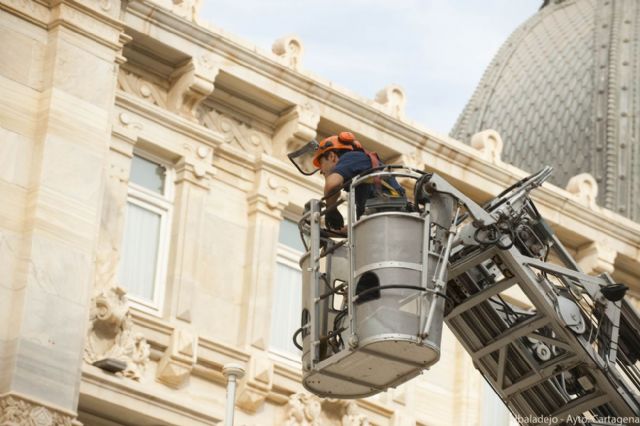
(141, 397)
(34, 11)
(87, 21)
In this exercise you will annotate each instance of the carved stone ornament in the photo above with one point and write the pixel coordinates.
(489, 143)
(256, 385)
(188, 9)
(142, 88)
(393, 100)
(234, 131)
(585, 188)
(303, 410)
(290, 49)
(111, 335)
(190, 86)
(309, 410)
(176, 364)
(16, 411)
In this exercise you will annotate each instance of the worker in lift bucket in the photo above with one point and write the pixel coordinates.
(340, 158)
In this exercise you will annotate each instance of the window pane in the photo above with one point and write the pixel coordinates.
(148, 174)
(290, 235)
(287, 306)
(140, 252)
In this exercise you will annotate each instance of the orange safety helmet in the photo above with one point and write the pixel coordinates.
(343, 141)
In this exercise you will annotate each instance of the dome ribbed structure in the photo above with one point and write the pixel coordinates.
(564, 90)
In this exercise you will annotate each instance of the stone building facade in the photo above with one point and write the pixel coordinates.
(146, 206)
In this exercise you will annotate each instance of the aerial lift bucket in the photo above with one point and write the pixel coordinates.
(390, 272)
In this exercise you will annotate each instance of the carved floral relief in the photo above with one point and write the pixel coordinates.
(309, 410)
(17, 411)
(234, 131)
(142, 88)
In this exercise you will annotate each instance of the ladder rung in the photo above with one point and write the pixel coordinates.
(511, 334)
(538, 377)
(481, 296)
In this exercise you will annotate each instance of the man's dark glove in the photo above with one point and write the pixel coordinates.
(333, 219)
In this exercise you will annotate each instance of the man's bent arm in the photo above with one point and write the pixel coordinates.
(331, 184)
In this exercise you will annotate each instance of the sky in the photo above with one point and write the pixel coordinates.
(436, 50)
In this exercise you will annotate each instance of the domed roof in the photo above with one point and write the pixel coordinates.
(564, 90)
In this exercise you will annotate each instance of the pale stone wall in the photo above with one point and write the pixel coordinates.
(85, 84)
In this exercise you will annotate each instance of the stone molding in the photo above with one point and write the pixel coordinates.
(196, 166)
(270, 194)
(92, 19)
(490, 145)
(110, 334)
(393, 100)
(290, 50)
(176, 364)
(17, 410)
(415, 160)
(187, 9)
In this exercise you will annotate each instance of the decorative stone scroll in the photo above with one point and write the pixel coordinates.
(190, 85)
(584, 188)
(18, 411)
(290, 50)
(489, 143)
(309, 410)
(111, 336)
(393, 100)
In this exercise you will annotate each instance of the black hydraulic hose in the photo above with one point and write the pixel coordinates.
(398, 286)
(295, 338)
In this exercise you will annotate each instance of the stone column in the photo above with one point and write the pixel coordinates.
(41, 347)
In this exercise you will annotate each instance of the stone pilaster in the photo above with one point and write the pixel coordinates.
(69, 139)
(124, 137)
(266, 202)
(193, 178)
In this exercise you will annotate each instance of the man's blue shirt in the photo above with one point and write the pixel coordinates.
(352, 163)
